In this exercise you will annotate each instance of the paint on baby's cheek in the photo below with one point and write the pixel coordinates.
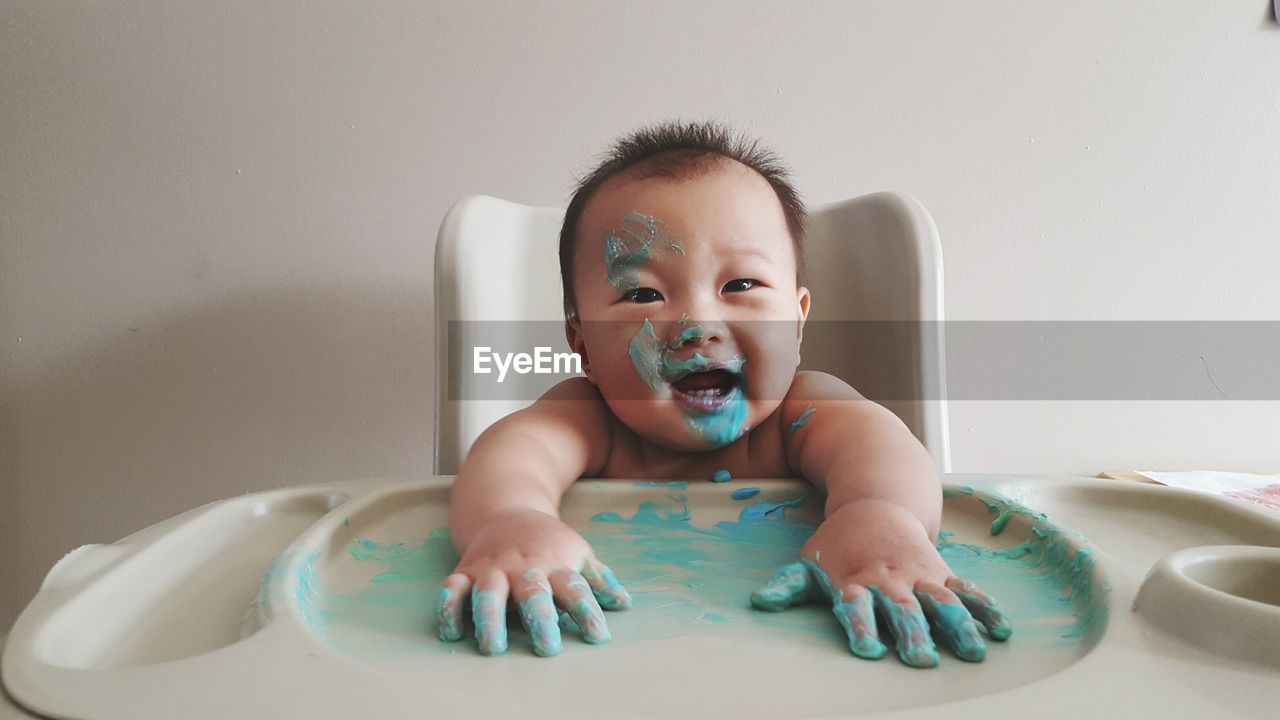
(629, 247)
(647, 353)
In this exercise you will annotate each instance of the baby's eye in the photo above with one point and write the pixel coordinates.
(740, 285)
(642, 295)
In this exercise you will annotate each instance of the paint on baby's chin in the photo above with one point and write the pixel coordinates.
(629, 247)
(724, 426)
(651, 357)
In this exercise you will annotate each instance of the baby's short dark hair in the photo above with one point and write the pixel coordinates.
(679, 150)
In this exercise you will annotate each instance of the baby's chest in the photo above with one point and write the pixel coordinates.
(758, 454)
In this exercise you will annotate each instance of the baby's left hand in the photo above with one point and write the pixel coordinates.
(873, 556)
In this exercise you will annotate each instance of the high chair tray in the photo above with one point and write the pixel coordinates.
(318, 602)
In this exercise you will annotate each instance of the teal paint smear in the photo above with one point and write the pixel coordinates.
(997, 525)
(450, 627)
(647, 352)
(910, 631)
(540, 618)
(724, 426)
(693, 333)
(744, 493)
(991, 617)
(672, 484)
(721, 476)
(651, 358)
(856, 615)
(694, 571)
(688, 575)
(490, 622)
(309, 590)
(760, 510)
(673, 369)
(791, 585)
(629, 247)
(615, 596)
(956, 625)
(1051, 552)
(800, 421)
(597, 630)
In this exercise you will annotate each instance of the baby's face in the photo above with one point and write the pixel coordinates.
(689, 317)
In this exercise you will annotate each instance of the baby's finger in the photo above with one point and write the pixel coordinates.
(489, 614)
(538, 611)
(952, 620)
(909, 627)
(608, 591)
(854, 608)
(449, 609)
(985, 609)
(791, 585)
(573, 592)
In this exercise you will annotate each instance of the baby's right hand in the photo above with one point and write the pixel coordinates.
(540, 562)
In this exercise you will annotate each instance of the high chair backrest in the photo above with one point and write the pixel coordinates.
(874, 271)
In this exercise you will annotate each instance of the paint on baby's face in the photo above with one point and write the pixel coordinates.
(717, 417)
(687, 305)
(628, 247)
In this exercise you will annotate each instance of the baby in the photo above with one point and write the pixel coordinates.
(683, 281)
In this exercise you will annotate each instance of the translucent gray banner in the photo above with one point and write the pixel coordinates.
(900, 361)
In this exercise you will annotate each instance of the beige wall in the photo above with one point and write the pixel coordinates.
(217, 219)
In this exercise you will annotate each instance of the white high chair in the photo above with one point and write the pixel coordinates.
(220, 612)
(874, 259)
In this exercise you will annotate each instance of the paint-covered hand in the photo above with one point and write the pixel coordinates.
(873, 557)
(539, 562)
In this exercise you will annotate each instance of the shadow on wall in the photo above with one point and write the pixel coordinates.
(281, 387)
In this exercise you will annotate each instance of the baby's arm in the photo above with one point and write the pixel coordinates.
(875, 550)
(857, 451)
(505, 523)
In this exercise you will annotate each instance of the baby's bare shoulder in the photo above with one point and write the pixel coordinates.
(814, 386)
(571, 417)
(575, 388)
(814, 392)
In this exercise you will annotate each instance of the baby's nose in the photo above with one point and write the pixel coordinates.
(688, 335)
(696, 333)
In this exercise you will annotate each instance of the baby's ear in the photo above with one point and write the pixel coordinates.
(803, 301)
(573, 333)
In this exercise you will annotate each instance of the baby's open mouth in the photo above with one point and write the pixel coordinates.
(706, 389)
